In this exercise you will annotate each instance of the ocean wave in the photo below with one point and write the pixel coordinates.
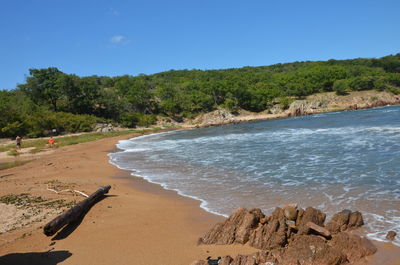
(346, 160)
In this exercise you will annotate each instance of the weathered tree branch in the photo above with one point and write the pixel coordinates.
(75, 212)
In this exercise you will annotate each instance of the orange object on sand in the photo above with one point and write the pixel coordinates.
(51, 141)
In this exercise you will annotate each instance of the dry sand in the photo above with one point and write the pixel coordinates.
(138, 223)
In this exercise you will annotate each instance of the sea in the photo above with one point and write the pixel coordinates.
(330, 161)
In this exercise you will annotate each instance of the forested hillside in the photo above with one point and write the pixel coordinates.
(52, 99)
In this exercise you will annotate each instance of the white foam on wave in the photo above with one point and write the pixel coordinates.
(127, 144)
(277, 139)
(203, 203)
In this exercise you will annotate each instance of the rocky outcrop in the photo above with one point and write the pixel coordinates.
(216, 117)
(291, 235)
(104, 127)
(353, 246)
(308, 249)
(272, 234)
(344, 220)
(236, 229)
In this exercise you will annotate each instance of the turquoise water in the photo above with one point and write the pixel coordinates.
(332, 161)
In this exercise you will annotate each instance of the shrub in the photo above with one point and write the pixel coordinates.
(146, 119)
(341, 87)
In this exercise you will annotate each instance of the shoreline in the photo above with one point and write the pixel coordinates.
(138, 223)
(191, 217)
(204, 203)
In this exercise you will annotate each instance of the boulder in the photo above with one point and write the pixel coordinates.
(272, 234)
(319, 229)
(236, 229)
(281, 240)
(311, 250)
(290, 212)
(355, 220)
(269, 236)
(225, 260)
(353, 246)
(339, 222)
(309, 215)
(344, 220)
(391, 235)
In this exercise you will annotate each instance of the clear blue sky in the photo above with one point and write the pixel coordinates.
(96, 37)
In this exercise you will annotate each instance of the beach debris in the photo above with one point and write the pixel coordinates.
(391, 235)
(67, 190)
(280, 243)
(75, 213)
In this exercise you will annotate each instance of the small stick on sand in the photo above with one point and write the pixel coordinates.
(73, 191)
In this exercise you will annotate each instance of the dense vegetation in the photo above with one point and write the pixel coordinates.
(52, 99)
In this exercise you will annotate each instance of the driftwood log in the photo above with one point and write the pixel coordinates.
(75, 212)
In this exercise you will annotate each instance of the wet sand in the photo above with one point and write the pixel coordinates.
(138, 223)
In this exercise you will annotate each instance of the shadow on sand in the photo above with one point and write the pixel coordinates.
(35, 258)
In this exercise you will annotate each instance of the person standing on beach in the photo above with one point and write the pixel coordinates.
(18, 139)
(51, 141)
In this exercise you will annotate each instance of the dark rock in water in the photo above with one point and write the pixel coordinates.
(236, 229)
(353, 246)
(309, 215)
(391, 235)
(319, 229)
(308, 249)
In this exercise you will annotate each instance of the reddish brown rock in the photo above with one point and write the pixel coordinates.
(236, 229)
(355, 220)
(272, 234)
(283, 241)
(290, 213)
(244, 260)
(353, 246)
(264, 220)
(344, 220)
(319, 229)
(311, 250)
(339, 222)
(225, 260)
(309, 215)
(391, 235)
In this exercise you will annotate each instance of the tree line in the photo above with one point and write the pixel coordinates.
(50, 99)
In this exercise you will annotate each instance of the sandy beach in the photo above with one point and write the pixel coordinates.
(137, 223)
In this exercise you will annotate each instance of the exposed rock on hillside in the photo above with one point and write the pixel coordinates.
(317, 103)
(292, 236)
